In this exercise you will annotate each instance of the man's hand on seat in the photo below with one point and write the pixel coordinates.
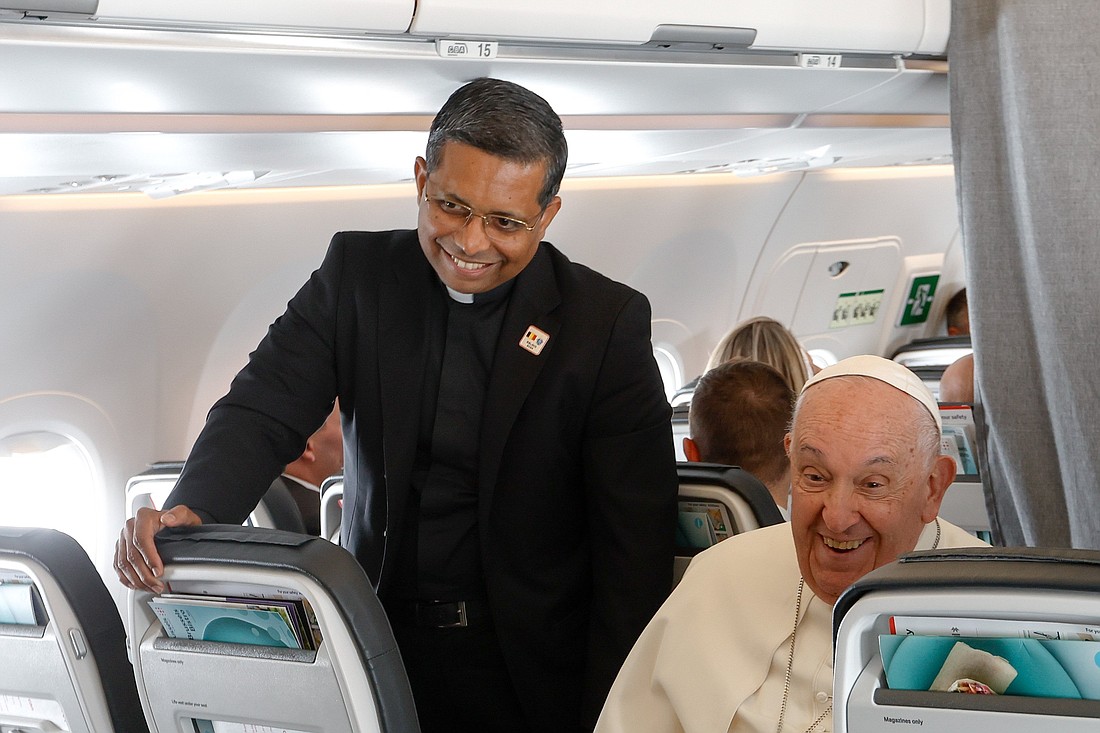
(137, 561)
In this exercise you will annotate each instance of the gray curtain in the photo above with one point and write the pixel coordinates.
(1025, 115)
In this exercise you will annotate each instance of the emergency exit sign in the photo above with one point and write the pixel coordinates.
(918, 303)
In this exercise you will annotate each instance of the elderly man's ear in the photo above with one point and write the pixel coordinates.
(691, 451)
(943, 473)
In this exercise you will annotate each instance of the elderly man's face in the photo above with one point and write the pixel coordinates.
(862, 486)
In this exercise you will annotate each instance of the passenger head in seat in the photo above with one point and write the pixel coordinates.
(767, 340)
(745, 640)
(957, 381)
(738, 416)
(323, 457)
(957, 315)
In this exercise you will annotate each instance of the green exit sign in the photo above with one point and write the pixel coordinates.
(918, 303)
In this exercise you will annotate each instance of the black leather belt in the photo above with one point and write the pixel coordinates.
(439, 614)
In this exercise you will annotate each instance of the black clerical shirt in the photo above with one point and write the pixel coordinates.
(440, 557)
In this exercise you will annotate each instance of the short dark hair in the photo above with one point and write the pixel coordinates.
(956, 312)
(739, 416)
(506, 120)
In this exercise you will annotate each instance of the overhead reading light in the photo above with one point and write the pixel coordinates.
(945, 159)
(154, 185)
(193, 182)
(716, 168)
(815, 158)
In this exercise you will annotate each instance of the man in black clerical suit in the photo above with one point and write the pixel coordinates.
(510, 481)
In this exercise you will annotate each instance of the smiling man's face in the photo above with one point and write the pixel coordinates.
(469, 257)
(863, 484)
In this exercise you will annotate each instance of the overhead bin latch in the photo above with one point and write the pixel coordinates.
(701, 37)
(42, 9)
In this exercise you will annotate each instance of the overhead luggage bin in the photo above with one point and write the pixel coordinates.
(864, 26)
(1016, 625)
(340, 16)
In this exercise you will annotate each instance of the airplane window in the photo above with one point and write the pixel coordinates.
(822, 357)
(47, 480)
(672, 375)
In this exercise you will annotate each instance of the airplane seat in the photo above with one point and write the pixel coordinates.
(934, 351)
(332, 508)
(682, 396)
(964, 502)
(335, 667)
(151, 487)
(928, 357)
(62, 641)
(1020, 622)
(715, 502)
(276, 510)
(680, 428)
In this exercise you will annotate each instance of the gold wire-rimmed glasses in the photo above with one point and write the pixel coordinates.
(498, 227)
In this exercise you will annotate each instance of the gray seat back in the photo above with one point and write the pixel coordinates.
(1032, 609)
(352, 681)
(715, 502)
(62, 643)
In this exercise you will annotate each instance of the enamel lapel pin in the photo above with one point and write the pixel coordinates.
(534, 340)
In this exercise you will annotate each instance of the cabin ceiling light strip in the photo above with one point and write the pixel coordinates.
(31, 123)
(35, 123)
(678, 122)
(876, 121)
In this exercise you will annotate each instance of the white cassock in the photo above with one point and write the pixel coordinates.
(714, 657)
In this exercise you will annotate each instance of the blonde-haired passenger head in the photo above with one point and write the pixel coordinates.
(767, 340)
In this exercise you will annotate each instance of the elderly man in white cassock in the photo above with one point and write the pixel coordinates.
(744, 643)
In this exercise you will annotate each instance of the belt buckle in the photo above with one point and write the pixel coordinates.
(445, 614)
(460, 613)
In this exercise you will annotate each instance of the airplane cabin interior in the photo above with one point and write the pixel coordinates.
(171, 173)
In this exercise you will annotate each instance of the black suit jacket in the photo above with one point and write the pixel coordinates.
(576, 467)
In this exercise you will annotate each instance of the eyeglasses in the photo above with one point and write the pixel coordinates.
(498, 227)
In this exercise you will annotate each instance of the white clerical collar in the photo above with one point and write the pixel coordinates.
(460, 297)
(303, 482)
(497, 293)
